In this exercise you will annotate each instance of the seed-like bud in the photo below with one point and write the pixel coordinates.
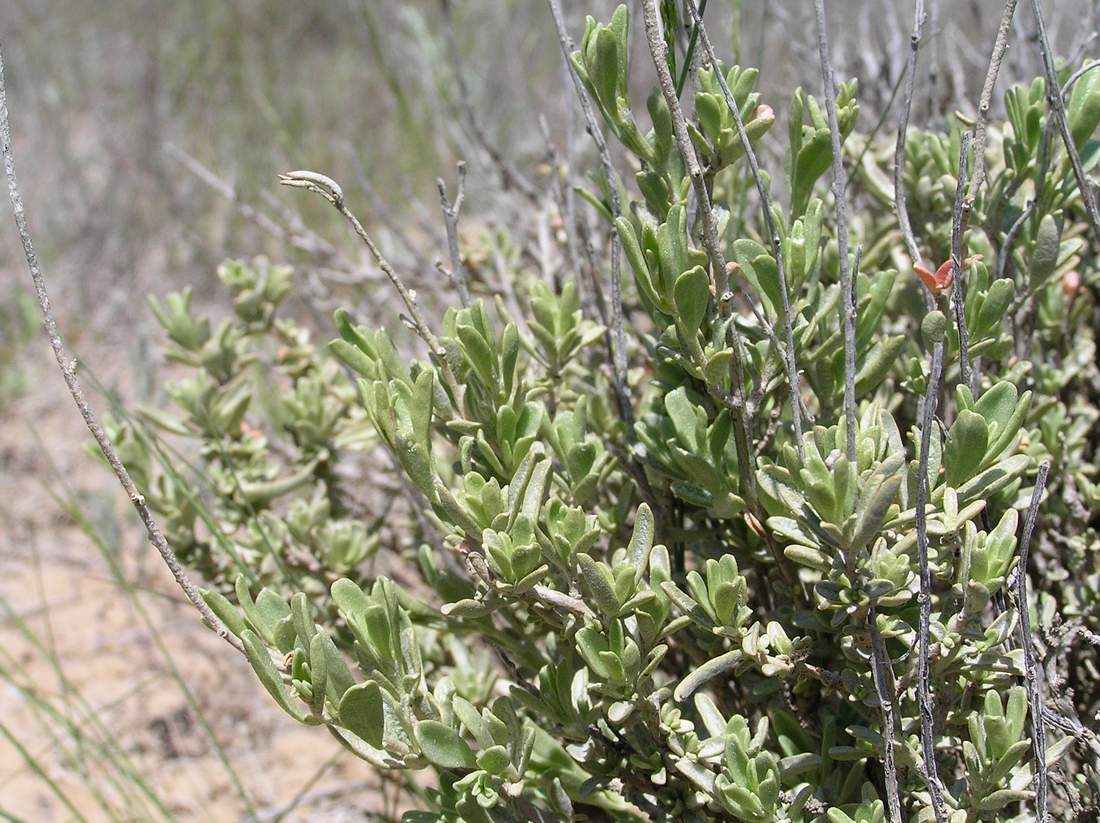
(1071, 284)
(304, 179)
(933, 328)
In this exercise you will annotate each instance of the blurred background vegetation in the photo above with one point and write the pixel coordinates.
(148, 134)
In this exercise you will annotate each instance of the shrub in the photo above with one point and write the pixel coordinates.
(749, 541)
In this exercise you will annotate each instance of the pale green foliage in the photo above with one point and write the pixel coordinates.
(634, 625)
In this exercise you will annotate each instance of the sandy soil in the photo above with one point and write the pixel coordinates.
(54, 579)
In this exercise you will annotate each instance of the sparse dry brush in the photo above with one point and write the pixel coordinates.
(769, 494)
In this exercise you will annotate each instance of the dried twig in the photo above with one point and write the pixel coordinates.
(900, 206)
(924, 686)
(328, 189)
(934, 62)
(1010, 238)
(840, 186)
(658, 50)
(1000, 45)
(1077, 75)
(1058, 112)
(883, 676)
(296, 235)
(619, 365)
(510, 175)
(958, 291)
(769, 223)
(1031, 672)
(931, 398)
(451, 211)
(690, 53)
(67, 364)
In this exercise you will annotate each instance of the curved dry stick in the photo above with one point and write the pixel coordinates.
(769, 223)
(1058, 111)
(509, 174)
(327, 188)
(1031, 672)
(840, 198)
(67, 364)
(1010, 238)
(451, 210)
(901, 208)
(1000, 46)
(1077, 75)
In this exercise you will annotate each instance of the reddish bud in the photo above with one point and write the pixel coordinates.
(940, 281)
(944, 276)
(1071, 284)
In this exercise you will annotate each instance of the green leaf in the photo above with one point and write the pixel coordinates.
(494, 760)
(349, 598)
(257, 653)
(692, 294)
(420, 409)
(605, 72)
(812, 161)
(225, 611)
(708, 671)
(995, 305)
(443, 746)
(597, 576)
(878, 363)
(966, 444)
(684, 421)
(641, 540)
(997, 405)
(1003, 797)
(318, 674)
(1083, 111)
(993, 479)
(709, 110)
(361, 712)
(876, 501)
(1044, 259)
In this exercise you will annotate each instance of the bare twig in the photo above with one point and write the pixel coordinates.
(1077, 75)
(958, 290)
(67, 364)
(857, 164)
(619, 365)
(297, 235)
(1010, 238)
(1000, 45)
(924, 687)
(1031, 672)
(931, 398)
(510, 175)
(657, 49)
(328, 189)
(900, 206)
(769, 223)
(690, 53)
(934, 62)
(840, 186)
(1058, 111)
(451, 211)
(883, 676)
(561, 600)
